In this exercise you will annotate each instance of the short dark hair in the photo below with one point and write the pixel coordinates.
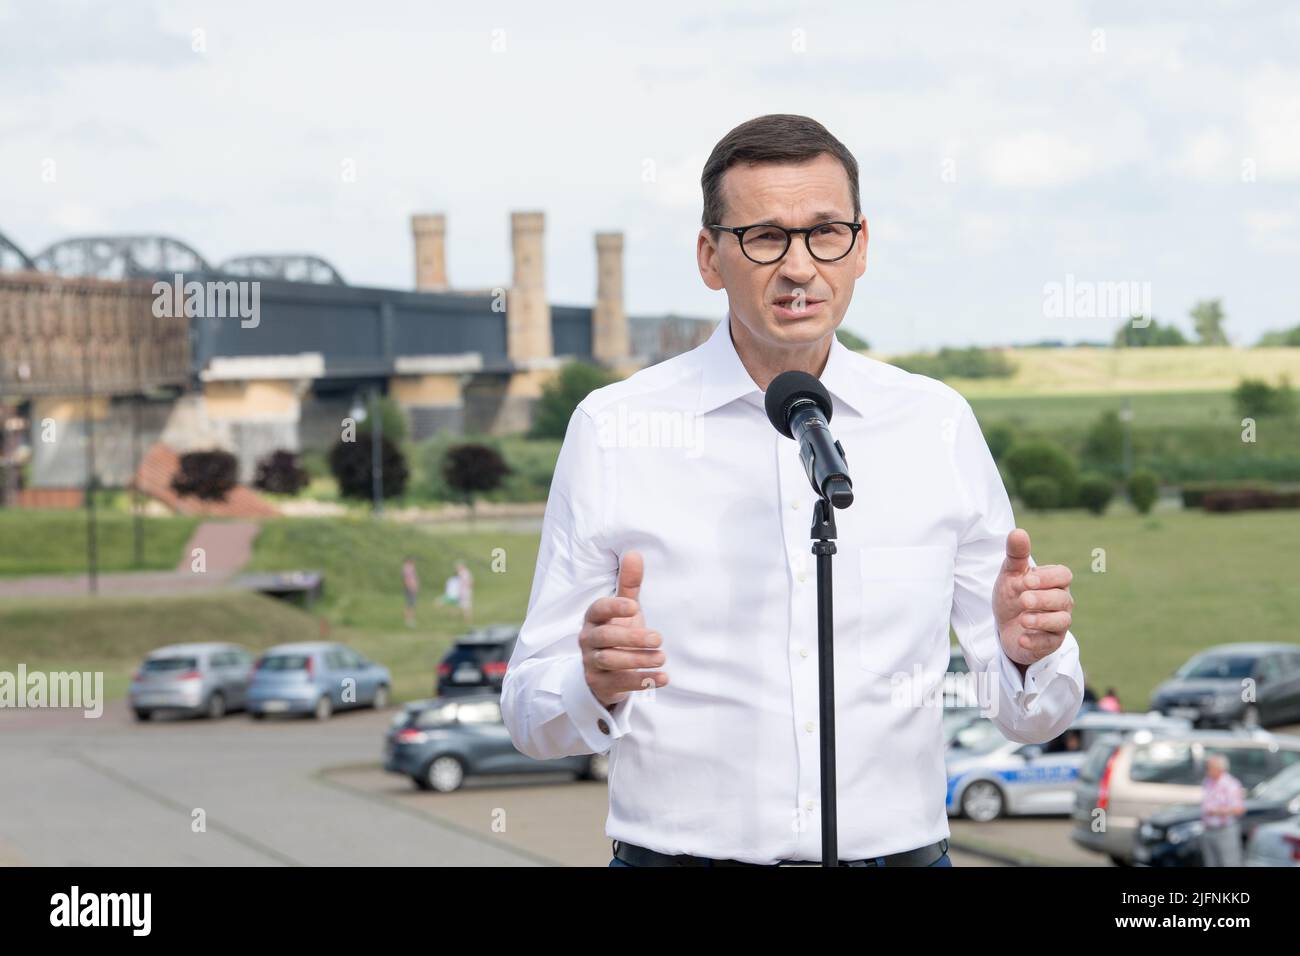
(774, 138)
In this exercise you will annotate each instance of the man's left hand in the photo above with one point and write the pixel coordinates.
(1031, 605)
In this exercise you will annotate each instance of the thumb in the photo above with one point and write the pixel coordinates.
(631, 570)
(1017, 561)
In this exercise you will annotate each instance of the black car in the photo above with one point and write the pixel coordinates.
(1212, 688)
(1171, 837)
(438, 743)
(477, 661)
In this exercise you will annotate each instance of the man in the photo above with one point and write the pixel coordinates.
(465, 591)
(676, 541)
(1222, 802)
(411, 587)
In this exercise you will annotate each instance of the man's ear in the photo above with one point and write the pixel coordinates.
(706, 256)
(862, 249)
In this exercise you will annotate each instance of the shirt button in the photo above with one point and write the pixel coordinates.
(794, 505)
(802, 577)
(803, 652)
(603, 726)
(810, 726)
(809, 805)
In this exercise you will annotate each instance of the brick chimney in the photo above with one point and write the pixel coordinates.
(528, 314)
(430, 231)
(609, 333)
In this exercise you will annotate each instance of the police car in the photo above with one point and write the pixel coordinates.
(990, 776)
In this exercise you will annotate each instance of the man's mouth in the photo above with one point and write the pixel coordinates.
(794, 307)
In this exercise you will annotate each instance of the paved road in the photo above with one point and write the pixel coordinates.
(277, 792)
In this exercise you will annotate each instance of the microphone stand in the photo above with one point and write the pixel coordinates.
(823, 537)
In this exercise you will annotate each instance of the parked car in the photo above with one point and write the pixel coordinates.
(1275, 844)
(477, 661)
(440, 742)
(989, 776)
(1171, 837)
(316, 678)
(194, 679)
(1131, 780)
(1208, 689)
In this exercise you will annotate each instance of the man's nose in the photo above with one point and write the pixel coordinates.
(798, 265)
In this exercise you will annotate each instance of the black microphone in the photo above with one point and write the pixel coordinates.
(799, 407)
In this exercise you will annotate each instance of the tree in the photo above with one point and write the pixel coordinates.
(1141, 331)
(1103, 445)
(561, 395)
(1041, 492)
(474, 468)
(208, 475)
(351, 465)
(851, 341)
(1287, 338)
(1207, 320)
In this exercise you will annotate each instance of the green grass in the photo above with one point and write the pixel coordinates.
(1174, 583)
(54, 542)
(1150, 409)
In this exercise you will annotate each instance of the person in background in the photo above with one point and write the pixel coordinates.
(1222, 803)
(1110, 703)
(411, 585)
(465, 590)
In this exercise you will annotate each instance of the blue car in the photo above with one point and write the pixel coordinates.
(316, 678)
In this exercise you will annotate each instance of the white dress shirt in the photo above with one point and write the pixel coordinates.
(679, 462)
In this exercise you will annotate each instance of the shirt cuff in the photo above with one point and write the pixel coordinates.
(598, 726)
(1037, 676)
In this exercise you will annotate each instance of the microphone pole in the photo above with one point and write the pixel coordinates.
(799, 406)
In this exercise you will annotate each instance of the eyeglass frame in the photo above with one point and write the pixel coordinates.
(739, 231)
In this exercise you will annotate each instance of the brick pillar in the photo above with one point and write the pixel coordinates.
(430, 232)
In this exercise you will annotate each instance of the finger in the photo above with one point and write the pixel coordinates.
(607, 608)
(631, 569)
(1051, 599)
(619, 682)
(1039, 643)
(1049, 576)
(624, 659)
(1051, 622)
(1017, 560)
(621, 635)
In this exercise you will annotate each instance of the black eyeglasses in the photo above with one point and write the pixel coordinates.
(766, 243)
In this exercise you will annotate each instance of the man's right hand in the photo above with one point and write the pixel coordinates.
(616, 643)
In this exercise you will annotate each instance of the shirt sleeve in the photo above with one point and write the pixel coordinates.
(1042, 704)
(545, 701)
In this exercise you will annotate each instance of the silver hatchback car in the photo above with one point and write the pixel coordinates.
(317, 678)
(194, 679)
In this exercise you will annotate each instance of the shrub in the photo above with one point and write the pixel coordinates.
(1095, 492)
(350, 463)
(1255, 398)
(1040, 492)
(957, 363)
(281, 474)
(474, 468)
(561, 395)
(999, 438)
(1143, 489)
(1030, 459)
(208, 475)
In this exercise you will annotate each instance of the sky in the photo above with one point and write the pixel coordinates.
(1005, 149)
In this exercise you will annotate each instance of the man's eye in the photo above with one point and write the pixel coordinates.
(768, 235)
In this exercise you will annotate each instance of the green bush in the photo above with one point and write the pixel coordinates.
(999, 438)
(1095, 492)
(1041, 492)
(1130, 336)
(1255, 398)
(957, 363)
(1143, 489)
(1031, 459)
(561, 395)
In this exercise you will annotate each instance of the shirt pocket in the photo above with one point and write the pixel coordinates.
(906, 605)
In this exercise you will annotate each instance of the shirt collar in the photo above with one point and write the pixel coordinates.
(725, 379)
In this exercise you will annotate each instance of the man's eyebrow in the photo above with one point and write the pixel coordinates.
(822, 215)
